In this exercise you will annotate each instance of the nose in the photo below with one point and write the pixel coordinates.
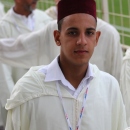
(82, 40)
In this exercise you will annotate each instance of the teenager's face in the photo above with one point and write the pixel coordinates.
(77, 38)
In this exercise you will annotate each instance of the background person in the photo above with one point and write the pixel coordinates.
(22, 18)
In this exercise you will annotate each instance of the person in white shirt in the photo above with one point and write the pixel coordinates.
(125, 83)
(69, 93)
(108, 54)
(2, 12)
(22, 18)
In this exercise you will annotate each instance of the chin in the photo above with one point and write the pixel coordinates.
(81, 62)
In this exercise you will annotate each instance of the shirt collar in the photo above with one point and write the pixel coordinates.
(54, 73)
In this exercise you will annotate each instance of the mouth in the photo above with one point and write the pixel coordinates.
(80, 51)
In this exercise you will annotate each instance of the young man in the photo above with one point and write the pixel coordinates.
(125, 83)
(20, 19)
(69, 93)
(108, 54)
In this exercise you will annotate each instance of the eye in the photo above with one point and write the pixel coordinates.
(72, 33)
(89, 33)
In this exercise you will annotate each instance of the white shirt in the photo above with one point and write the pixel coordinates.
(29, 21)
(54, 73)
(34, 103)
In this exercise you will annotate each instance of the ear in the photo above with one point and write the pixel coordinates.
(98, 33)
(57, 37)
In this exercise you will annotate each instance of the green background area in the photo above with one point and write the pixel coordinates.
(122, 23)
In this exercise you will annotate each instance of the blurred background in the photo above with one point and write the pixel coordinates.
(115, 12)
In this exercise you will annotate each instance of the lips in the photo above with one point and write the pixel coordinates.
(81, 51)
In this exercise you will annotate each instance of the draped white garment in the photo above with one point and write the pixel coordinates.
(125, 83)
(11, 26)
(34, 103)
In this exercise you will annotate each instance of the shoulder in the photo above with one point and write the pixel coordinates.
(41, 14)
(105, 84)
(108, 79)
(38, 11)
(28, 87)
(7, 17)
(52, 8)
(104, 78)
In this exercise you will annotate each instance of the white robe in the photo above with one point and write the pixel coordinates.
(12, 27)
(107, 55)
(2, 12)
(34, 104)
(125, 83)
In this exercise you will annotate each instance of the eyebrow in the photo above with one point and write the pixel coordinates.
(91, 29)
(74, 28)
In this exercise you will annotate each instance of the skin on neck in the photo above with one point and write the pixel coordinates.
(74, 74)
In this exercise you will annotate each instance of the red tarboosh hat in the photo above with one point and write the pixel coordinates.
(68, 7)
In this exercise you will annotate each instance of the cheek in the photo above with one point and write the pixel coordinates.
(92, 44)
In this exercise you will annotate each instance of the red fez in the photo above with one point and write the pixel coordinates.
(68, 7)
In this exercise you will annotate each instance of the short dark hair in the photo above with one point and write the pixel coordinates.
(61, 21)
(60, 24)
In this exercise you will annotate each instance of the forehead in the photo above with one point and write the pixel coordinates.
(79, 20)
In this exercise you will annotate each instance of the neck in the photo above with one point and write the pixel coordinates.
(74, 74)
(20, 10)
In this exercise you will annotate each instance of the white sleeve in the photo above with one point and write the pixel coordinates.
(19, 119)
(13, 119)
(18, 52)
(117, 56)
(32, 49)
(22, 117)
